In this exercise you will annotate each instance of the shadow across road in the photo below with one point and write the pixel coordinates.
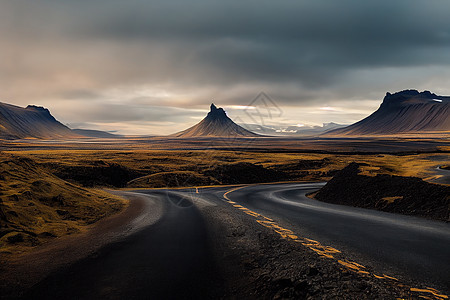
(169, 259)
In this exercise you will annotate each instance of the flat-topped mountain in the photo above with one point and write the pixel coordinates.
(30, 122)
(407, 111)
(215, 124)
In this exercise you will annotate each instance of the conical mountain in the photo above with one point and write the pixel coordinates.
(216, 124)
(407, 111)
(30, 122)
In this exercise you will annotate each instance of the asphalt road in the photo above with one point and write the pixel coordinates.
(169, 259)
(172, 258)
(443, 175)
(391, 243)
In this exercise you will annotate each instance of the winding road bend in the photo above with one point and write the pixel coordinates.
(408, 246)
(172, 258)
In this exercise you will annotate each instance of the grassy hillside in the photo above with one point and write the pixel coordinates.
(36, 206)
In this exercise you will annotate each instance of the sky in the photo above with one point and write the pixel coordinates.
(154, 67)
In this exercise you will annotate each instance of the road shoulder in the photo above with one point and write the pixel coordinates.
(259, 264)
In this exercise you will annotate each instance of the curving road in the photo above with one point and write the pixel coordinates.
(443, 175)
(167, 259)
(402, 245)
(172, 257)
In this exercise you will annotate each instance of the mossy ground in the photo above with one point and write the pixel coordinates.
(36, 206)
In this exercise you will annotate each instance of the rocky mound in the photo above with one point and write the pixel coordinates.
(397, 194)
(100, 174)
(215, 124)
(404, 112)
(30, 122)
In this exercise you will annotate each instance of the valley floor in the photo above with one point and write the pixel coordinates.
(63, 182)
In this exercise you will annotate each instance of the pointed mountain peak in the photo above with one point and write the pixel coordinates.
(216, 112)
(216, 124)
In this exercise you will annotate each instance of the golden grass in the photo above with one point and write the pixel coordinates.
(38, 206)
(157, 161)
(391, 199)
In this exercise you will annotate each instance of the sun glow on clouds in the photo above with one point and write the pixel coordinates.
(328, 108)
(241, 107)
(141, 128)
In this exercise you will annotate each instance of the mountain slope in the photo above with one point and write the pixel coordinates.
(215, 124)
(30, 122)
(404, 112)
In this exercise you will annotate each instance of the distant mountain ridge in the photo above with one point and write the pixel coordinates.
(408, 111)
(96, 133)
(30, 122)
(215, 124)
(291, 130)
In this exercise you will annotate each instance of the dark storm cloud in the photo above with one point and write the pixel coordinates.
(300, 52)
(308, 42)
(321, 33)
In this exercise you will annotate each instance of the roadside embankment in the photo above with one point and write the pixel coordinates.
(397, 194)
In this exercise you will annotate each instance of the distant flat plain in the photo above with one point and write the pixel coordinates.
(375, 144)
(405, 156)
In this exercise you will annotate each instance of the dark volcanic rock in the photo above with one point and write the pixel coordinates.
(17, 238)
(88, 176)
(404, 195)
(244, 173)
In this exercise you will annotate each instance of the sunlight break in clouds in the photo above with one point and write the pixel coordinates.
(90, 62)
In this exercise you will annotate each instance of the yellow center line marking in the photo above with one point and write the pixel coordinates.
(232, 190)
(389, 277)
(431, 291)
(324, 251)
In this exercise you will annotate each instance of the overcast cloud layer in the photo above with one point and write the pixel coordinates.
(153, 67)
